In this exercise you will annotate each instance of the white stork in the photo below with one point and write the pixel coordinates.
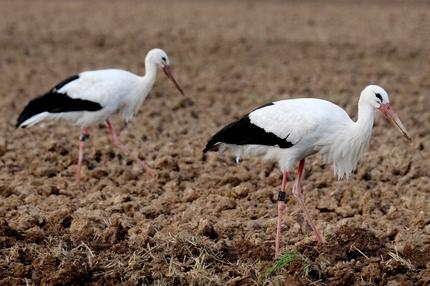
(92, 97)
(287, 131)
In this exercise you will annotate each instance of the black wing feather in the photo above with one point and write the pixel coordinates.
(64, 82)
(243, 132)
(55, 102)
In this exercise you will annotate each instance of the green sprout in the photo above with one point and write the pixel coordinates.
(253, 96)
(283, 261)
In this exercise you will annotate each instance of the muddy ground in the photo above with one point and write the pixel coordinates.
(209, 221)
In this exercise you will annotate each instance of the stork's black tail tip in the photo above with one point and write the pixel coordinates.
(211, 146)
(208, 147)
(22, 117)
(18, 123)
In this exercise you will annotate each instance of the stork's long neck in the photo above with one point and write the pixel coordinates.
(144, 86)
(362, 129)
(150, 74)
(358, 135)
(353, 141)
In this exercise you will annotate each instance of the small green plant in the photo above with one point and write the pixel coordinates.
(253, 96)
(283, 261)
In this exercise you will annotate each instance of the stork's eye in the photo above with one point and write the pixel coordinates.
(378, 96)
(164, 59)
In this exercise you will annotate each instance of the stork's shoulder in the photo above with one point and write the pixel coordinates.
(98, 85)
(318, 109)
(304, 104)
(107, 75)
(96, 77)
(298, 110)
(295, 118)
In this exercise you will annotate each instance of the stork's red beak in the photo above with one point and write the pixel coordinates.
(391, 115)
(168, 71)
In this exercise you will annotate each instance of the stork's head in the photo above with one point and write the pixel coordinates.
(378, 98)
(160, 59)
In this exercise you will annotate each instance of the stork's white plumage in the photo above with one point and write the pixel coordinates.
(288, 131)
(92, 97)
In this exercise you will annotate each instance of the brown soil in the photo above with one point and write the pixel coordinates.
(209, 221)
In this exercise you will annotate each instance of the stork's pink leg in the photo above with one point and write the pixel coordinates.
(124, 149)
(297, 191)
(282, 198)
(82, 138)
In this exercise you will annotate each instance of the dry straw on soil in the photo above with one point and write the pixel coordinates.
(209, 221)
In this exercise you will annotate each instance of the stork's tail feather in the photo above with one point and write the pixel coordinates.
(32, 120)
(211, 146)
(33, 112)
(226, 135)
(52, 102)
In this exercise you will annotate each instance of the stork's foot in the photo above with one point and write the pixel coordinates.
(148, 170)
(317, 234)
(298, 194)
(116, 142)
(78, 176)
(78, 173)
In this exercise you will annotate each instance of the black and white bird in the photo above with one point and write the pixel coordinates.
(287, 131)
(92, 97)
